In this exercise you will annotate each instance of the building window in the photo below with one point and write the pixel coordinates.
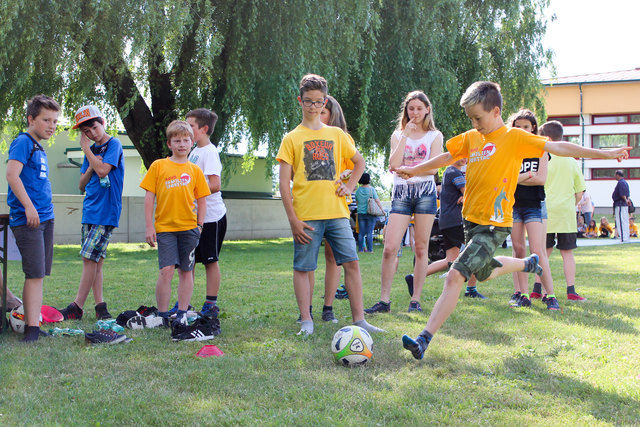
(609, 173)
(567, 121)
(572, 138)
(616, 119)
(618, 140)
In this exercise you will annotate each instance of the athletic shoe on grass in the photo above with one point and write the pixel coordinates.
(101, 312)
(328, 316)
(552, 304)
(104, 336)
(209, 310)
(575, 297)
(414, 306)
(474, 294)
(417, 347)
(522, 302)
(202, 329)
(379, 307)
(515, 298)
(72, 311)
(142, 322)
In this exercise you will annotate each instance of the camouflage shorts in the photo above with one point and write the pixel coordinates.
(481, 242)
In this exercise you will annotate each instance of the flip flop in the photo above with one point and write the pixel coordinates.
(51, 314)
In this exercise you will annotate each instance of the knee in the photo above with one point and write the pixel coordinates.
(421, 250)
(167, 272)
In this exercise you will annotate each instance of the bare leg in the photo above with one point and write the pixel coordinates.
(423, 224)
(302, 289)
(185, 289)
(331, 276)
(32, 296)
(537, 243)
(509, 265)
(446, 302)
(213, 278)
(519, 250)
(163, 288)
(396, 228)
(353, 284)
(569, 266)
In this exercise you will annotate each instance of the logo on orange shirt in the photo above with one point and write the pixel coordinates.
(487, 151)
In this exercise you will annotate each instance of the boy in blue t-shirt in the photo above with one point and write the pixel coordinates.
(102, 178)
(30, 206)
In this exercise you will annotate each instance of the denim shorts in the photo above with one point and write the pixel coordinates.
(425, 204)
(527, 215)
(338, 233)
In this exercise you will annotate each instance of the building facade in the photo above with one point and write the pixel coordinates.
(600, 111)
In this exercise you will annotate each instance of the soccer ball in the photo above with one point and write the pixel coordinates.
(352, 346)
(16, 319)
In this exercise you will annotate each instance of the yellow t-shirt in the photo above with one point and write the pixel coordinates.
(493, 166)
(633, 230)
(176, 186)
(316, 157)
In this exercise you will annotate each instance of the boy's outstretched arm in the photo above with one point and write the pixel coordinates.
(150, 233)
(444, 159)
(297, 226)
(568, 149)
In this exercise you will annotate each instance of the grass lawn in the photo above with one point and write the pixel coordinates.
(489, 364)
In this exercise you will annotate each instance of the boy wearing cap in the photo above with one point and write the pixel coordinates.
(101, 178)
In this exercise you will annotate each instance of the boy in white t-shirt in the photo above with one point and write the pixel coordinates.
(205, 155)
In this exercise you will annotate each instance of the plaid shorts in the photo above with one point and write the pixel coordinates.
(95, 239)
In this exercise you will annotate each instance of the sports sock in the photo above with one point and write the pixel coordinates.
(31, 333)
(551, 296)
(211, 299)
(537, 287)
(164, 314)
(571, 289)
(306, 327)
(471, 289)
(525, 296)
(327, 308)
(426, 335)
(367, 326)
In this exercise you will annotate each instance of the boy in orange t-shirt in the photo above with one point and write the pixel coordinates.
(495, 155)
(177, 185)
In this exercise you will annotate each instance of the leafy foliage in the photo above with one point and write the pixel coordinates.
(150, 61)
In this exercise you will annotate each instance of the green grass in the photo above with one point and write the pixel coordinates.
(489, 364)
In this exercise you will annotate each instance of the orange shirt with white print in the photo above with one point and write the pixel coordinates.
(176, 186)
(493, 166)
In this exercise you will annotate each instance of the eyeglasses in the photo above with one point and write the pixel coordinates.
(308, 103)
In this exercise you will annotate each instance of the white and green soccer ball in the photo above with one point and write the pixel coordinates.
(352, 346)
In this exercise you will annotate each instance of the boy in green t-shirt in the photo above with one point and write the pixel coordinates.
(316, 207)
(495, 155)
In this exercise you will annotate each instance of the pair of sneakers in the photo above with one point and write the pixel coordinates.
(204, 328)
(74, 312)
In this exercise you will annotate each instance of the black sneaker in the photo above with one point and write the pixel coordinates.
(101, 312)
(146, 311)
(417, 347)
(299, 320)
(522, 302)
(104, 336)
(414, 306)
(379, 307)
(152, 321)
(515, 298)
(474, 294)
(409, 279)
(328, 316)
(552, 304)
(545, 298)
(201, 330)
(72, 311)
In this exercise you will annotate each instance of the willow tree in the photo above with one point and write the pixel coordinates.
(150, 61)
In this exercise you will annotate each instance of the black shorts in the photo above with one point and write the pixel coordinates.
(211, 239)
(453, 237)
(566, 241)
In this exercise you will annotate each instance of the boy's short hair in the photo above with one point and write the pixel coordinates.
(90, 122)
(179, 128)
(204, 117)
(313, 82)
(40, 102)
(485, 93)
(553, 130)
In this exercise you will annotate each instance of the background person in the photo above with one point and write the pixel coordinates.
(621, 205)
(366, 222)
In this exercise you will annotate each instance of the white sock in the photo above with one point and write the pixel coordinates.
(306, 327)
(365, 325)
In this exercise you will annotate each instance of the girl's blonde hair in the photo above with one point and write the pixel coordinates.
(403, 117)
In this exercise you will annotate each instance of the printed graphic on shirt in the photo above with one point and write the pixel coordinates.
(484, 154)
(530, 165)
(413, 157)
(318, 160)
(174, 181)
(498, 211)
(43, 167)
